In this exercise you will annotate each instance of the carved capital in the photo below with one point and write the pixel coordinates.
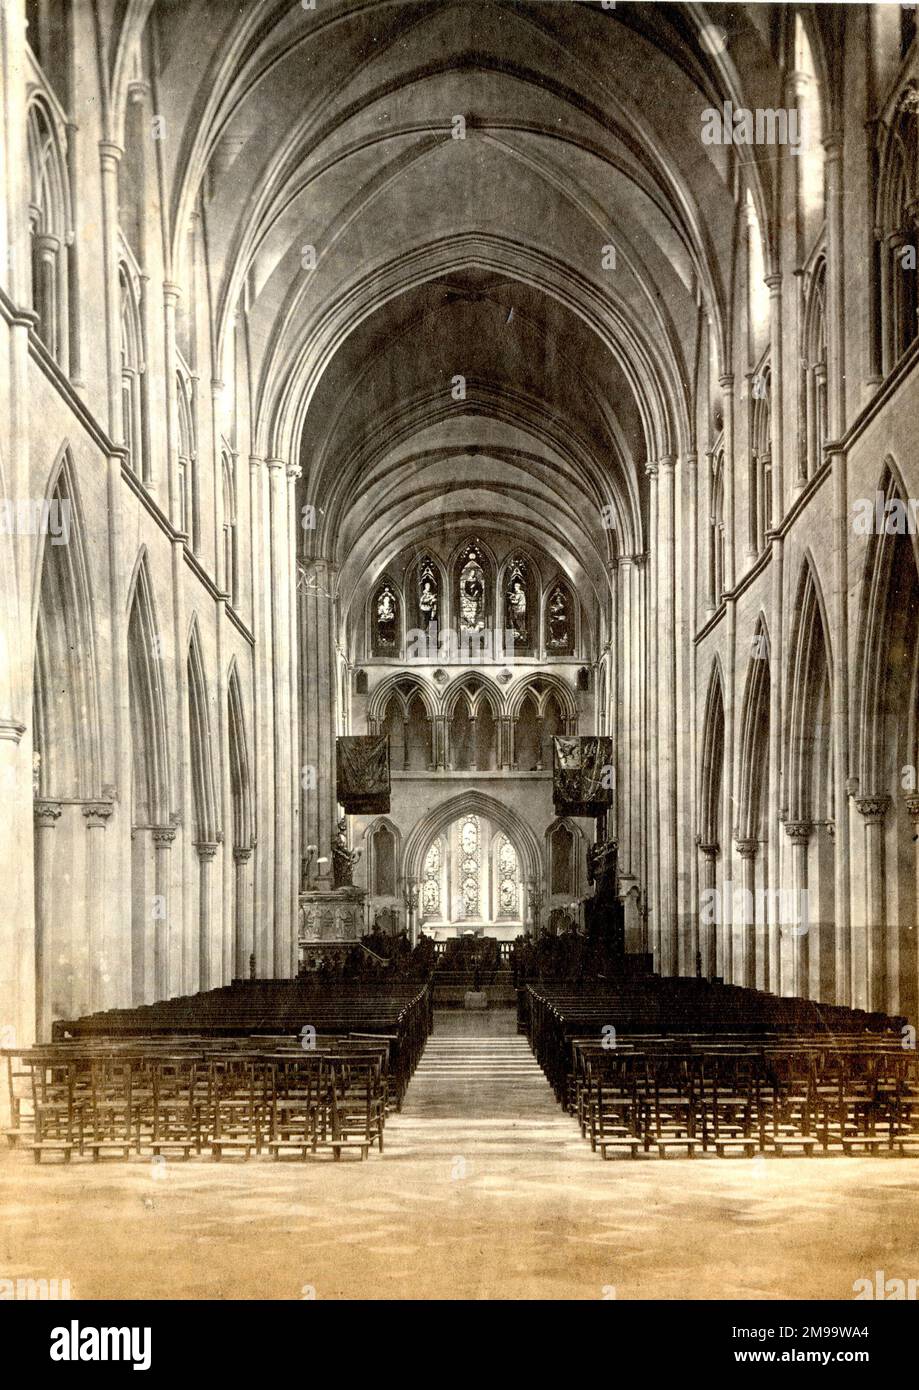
(206, 849)
(747, 848)
(799, 831)
(163, 834)
(46, 813)
(912, 807)
(242, 854)
(96, 814)
(710, 850)
(873, 808)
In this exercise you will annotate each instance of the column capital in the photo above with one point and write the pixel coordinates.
(912, 807)
(242, 854)
(294, 472)
(46, 812)
(171, 291)
(11, 730)
(163, 834)
(651, 469)
(710, 849)
(206, 849)
(773, 282)
(726, 381)
(97, 813)
(873, 808)
(747, 849)
(799, 831)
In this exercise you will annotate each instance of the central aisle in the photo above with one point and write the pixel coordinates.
(479, 1087)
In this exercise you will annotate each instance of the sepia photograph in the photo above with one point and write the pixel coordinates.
(459, 666)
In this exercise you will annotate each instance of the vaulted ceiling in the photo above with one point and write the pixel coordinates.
(486, 257)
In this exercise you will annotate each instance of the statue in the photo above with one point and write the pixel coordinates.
(344, 859)
(602, 865)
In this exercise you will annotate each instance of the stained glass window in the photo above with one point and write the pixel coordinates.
(430, 890)
(508, 880)
(469, 867)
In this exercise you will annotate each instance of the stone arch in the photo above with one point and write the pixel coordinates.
(404, 688)
(375, 867)
(440, 817)
(541, 685)
(808, 696)
(66, 709)
(201, 753)
(886, 755)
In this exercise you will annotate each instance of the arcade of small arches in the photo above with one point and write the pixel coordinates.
(473, 724)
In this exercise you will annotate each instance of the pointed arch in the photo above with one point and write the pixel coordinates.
(404, 689)
(884, 622)
(476, 690)
(133, 367)
(440, 817)
(383, 841)
(712, 761)
(66, 708)
(147, 703)
(243, 820)
(754, 738)
(50, 222)
(541, 685)
(809, 758)
(201, 763)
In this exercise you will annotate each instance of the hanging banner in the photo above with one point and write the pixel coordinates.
(584, 779)
(362, 774)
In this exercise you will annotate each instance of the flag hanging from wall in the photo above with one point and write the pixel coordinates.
(362, 774)
(583, 776)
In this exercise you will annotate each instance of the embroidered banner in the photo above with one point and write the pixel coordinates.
(362, 780)
(583, 782)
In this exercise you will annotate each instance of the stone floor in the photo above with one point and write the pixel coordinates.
(486, 1190)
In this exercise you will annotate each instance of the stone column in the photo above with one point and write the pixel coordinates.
(318, 701)
(244, 944)
(708, 931)
(796, 919)
(163, 837)
(776, 405)
(745, 929)
(847, 975)
(109, 159)
(873, 810)
(100, 991)
(170, 302)
(208, 969)
(652, 730)
(666, 708)
(47, 814)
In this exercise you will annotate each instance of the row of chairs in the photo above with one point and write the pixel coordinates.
(744, 1097)
(194, 1096)
(720, 1091)
(276, 1008)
